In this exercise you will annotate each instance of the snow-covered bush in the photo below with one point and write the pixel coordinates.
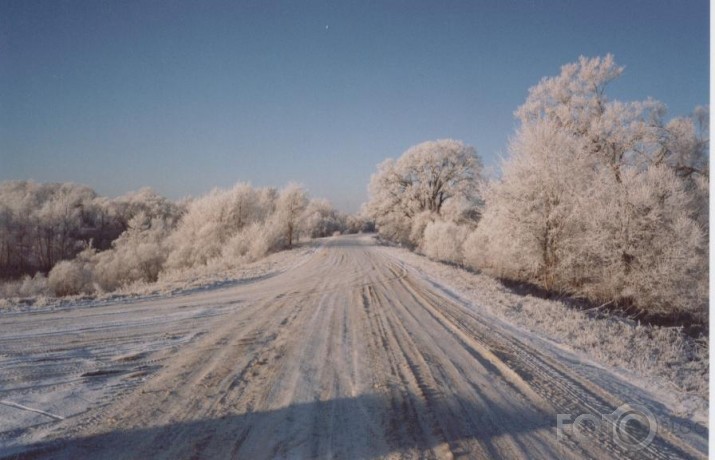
(272, 237)
(42, 224)
(651, 252)
(444, 240)
(254, 242)
(33, 286)
(417, 231)
(137, 255)
(71, 277)
(210, 221)
(140, 236)
(240, 224)
(240, 247)
(28, 286)
(395, 228)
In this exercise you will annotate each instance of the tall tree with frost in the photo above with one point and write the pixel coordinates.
(290, 206)
(421, 182)
(530, 228)
(600, 197)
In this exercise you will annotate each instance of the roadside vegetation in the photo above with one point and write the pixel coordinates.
(64, 239)
(597, 198)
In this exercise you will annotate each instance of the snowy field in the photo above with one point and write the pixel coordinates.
(342, 348)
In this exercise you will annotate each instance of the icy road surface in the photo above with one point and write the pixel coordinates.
(345, 353)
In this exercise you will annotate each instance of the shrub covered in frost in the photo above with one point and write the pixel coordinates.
(71, 277)
(444, 241)
(137, 255)
(90, 243)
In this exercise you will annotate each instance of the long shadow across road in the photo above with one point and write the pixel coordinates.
(321, 429)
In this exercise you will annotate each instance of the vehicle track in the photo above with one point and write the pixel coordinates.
(350, 354)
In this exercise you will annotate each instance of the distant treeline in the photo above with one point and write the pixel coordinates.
(64, 239)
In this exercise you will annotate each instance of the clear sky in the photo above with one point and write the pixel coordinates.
(184, 96)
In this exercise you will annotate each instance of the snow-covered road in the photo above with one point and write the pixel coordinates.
(348, 352)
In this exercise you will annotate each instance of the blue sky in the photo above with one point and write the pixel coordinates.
(185, 96)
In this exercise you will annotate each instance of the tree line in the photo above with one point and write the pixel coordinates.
(64, 239)
(597, 198)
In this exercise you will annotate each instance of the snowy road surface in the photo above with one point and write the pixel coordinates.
(346, 353)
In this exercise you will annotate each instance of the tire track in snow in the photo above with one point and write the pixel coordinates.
(347, 354)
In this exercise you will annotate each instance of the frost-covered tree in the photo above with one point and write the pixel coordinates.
(42, 224)
(59, 223)
(359, 223)
(139, 254)
(641, 244)
(321, 219)
(599, 197)
(237, 225)
(210, 222)
(687, 151)
(530, 226)
(423, 180)
(288, 214)
(146, 202)
(290, 207)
